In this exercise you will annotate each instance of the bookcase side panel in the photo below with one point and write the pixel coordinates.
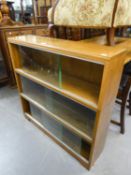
(16, 62)
(110, 84)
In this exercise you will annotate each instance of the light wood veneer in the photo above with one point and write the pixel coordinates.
(89, 74)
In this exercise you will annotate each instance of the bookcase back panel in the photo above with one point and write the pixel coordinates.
(87, 71)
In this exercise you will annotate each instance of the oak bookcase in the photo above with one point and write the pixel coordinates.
(68, 88)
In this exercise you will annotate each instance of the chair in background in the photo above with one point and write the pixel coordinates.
(41, 8)
(77, 20)
(124, 32)
(130, 103)
(124, 91)
(122, 97)
(127, 71)
(75, 34)
(98, 14)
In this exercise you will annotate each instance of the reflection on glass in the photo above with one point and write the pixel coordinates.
(74, 77)
(79, 116)
(42, 64)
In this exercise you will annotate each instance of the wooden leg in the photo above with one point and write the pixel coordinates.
(130, 103)
(51, 30)
(122, 118)
(111, 36)
(57, 32)
(121, 124)
(63, 33)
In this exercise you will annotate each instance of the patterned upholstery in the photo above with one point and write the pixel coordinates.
(83, 13)
(91, 13)
(50, 14)
(123, 13)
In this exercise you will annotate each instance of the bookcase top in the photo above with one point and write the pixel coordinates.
(93, 50)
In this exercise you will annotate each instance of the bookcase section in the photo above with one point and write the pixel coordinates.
(70, 140)
(79, 80)
(68, 89)
(74, 116)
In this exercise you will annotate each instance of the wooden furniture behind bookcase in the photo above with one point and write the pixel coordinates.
(9, 31)
(68, 89)
(41, 10)
(3, 73)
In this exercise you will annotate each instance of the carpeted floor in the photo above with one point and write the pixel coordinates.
(24, 150)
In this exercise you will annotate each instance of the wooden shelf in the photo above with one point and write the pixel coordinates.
(64, 141)
(78, 90)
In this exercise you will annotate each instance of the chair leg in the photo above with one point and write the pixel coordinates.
(122, 118)
(121, 124)
(111, 36)
(52, 30)
(130, 103)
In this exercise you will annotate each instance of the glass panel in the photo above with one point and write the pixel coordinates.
(81, 78)
(78, 79)
(77, 115)
(41, 64)
(71, 140)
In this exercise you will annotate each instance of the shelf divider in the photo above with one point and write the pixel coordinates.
(88, 98)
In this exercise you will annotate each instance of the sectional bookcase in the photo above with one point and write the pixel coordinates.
(68, 89)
